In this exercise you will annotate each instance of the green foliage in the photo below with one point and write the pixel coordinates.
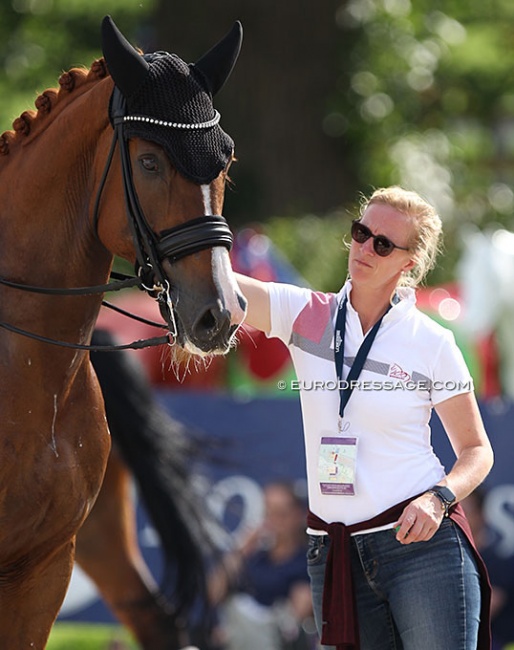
(427, 97)
(41, 38)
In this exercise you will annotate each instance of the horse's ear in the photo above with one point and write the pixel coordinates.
(217, 64)
(127, 67)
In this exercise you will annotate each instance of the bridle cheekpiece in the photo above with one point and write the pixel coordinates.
(175, 243)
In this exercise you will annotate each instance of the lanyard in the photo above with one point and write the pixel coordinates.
(346, 388)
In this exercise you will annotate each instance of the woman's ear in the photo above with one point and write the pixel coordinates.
(409, 265)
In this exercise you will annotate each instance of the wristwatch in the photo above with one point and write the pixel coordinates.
(445, 496)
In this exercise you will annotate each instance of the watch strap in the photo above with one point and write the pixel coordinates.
(440, 492)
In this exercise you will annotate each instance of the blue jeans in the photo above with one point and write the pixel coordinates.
(419, 596)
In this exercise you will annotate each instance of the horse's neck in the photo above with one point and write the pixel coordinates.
(46, 237)
(47, 183)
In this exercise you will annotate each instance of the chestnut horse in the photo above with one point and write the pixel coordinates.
(69, 204)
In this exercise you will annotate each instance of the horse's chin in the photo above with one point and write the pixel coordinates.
(185, 357)
(193, 349)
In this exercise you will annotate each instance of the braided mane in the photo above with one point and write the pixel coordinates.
(29, 121)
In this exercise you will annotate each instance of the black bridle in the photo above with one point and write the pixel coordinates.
(151, 250)
(123, 282)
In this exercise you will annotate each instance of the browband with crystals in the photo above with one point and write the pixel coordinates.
(174, 125)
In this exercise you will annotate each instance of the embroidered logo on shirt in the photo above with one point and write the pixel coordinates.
(396, 372)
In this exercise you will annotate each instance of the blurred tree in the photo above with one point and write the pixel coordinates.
(41, 38)
(428, 97)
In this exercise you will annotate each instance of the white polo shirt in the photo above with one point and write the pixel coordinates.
(414, 364)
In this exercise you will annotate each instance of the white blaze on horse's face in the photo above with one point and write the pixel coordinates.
(224, 279)
(223, 275)
(206, 194)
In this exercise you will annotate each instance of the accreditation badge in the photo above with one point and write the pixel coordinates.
(336, 465)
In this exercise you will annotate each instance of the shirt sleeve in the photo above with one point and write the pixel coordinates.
(451, 376)
(286, 302)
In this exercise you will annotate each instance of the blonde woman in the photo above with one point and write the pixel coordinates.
(391, 562)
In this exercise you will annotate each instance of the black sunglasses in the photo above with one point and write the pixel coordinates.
(381, 244)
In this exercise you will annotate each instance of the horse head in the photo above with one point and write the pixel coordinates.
(174, 163)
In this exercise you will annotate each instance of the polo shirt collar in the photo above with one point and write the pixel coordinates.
(405, 301)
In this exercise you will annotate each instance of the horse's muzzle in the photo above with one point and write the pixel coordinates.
(213, 330)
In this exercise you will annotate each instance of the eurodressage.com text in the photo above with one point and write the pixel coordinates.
(342, 384)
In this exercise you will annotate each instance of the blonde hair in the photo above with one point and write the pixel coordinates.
(426, 242)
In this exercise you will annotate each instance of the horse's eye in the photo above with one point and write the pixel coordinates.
(149, 163)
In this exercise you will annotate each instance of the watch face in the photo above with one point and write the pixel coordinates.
(446, 493)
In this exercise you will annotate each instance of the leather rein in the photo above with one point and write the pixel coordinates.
(174, 244)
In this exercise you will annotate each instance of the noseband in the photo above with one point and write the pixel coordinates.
(175, 243)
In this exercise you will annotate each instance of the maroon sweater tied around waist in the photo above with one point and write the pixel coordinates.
(340, 625)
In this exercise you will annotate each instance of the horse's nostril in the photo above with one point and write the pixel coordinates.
(215, 321)
(208, 322)
(213, 330)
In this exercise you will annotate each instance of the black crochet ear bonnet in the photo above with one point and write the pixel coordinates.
(170, 102)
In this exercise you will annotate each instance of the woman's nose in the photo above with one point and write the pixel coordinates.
(367, 247)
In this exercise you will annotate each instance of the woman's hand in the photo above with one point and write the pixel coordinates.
(420, 519)
(463, 424)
